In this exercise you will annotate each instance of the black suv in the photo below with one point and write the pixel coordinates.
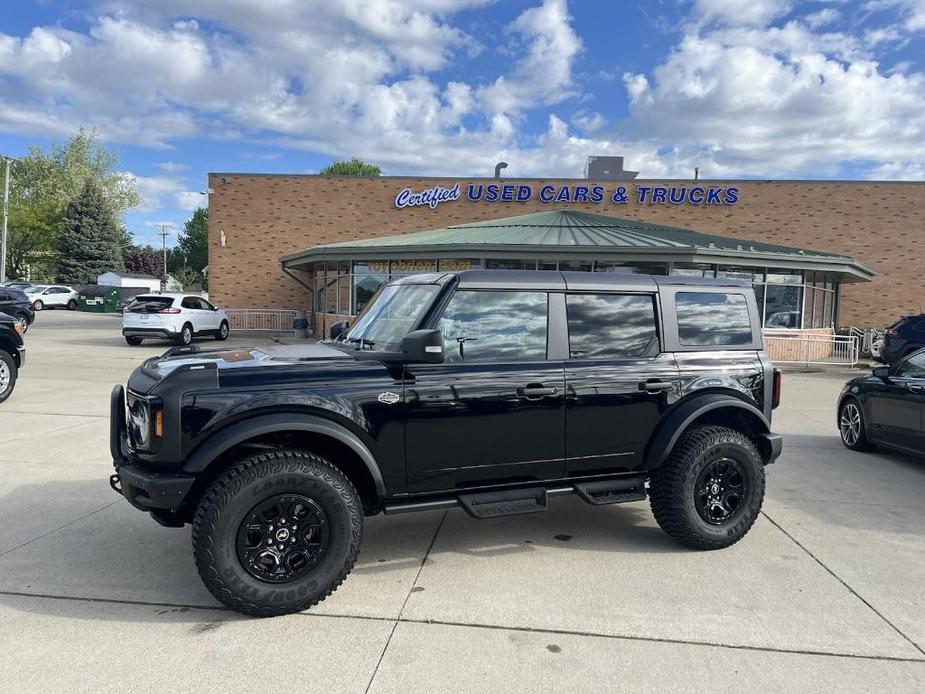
(905, 336)
(486, 390)
(15, 304)
(12, 355)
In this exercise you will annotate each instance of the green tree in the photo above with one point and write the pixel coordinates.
(44, 182)
(146, 259)
(193, 241)
(354, 167)
(88, 244)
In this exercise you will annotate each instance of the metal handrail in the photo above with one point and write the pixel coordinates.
(262, 320)
(826, 350)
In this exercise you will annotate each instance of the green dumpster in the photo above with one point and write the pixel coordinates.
(100, 298)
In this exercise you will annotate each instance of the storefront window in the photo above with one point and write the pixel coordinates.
(576, 265)
(412, 267)
(494, 264)
(458, 264)
(368, 276)
(693, 270)
(634, 268)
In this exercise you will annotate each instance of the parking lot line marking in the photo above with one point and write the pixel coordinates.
(401, 611)
(844, 583)
(68, 524)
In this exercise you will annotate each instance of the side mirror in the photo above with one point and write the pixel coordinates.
(881, 372)
(338, 329)
(423, 347)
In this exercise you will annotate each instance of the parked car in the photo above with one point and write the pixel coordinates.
(491, 391)
(876, 349)
(12, 355)
(886, 408)
(17, 284)
(17, 306)
(45, 296)
(178, 317)
(904, 337)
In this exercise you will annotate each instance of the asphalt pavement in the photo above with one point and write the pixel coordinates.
(826, 593)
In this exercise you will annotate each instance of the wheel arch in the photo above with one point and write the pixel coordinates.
(341, 447)
(711, 408)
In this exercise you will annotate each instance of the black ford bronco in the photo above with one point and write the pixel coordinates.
(491, 391)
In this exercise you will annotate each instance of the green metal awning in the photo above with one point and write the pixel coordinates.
(566, 234)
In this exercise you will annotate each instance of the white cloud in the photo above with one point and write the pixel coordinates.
(823, 17)
(165, 192)
(737, 12)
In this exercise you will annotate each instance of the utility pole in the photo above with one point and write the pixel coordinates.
(6, 213)
(163, 236)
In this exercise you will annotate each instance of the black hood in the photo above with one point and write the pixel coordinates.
(245, 357)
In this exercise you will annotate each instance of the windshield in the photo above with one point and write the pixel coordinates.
(389, 316)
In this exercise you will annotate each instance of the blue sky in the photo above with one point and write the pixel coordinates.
(764, 88)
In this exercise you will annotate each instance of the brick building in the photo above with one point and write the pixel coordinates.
(256, 220)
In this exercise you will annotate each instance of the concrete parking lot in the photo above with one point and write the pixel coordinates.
(827, 592)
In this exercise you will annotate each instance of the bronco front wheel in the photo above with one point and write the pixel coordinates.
(709, 492)
(277, 533)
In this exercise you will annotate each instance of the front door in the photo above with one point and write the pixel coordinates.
(897, 407)
(617, 383)
(493, 411)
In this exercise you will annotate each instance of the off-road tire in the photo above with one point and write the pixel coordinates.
(672, 487)
(229, 499)
(185, 338)
(133, 340)
(10, 365)
(222, 334)
(861, 443)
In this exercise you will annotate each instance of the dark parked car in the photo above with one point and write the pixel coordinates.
(17, 306)
(902, 338)
(489, 391)
(887, 407)
(12, 355)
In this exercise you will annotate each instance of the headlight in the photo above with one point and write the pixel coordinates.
(145, 421)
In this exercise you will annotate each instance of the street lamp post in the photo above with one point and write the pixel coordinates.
(6, 213)
(163, 236)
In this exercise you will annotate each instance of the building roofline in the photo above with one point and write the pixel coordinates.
(421, 177)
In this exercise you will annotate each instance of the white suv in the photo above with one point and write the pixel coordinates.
(45, 296)
(173, 317)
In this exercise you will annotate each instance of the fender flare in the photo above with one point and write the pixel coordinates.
(224, 439)
(677, 422)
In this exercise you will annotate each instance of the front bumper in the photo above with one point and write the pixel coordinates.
(143, 488)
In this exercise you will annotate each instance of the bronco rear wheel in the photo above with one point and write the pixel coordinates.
(277, 533)
(709, 492)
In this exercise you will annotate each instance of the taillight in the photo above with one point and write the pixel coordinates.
(169, 310)
(775, 390)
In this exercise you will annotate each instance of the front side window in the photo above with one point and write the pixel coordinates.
(390, 315)
(913, 367)
(610, 326)
(711, 319)
(499, 326)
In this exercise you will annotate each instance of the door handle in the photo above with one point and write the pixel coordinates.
(655, 386)
(534, 392)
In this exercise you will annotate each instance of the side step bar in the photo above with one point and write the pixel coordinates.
(513, 502)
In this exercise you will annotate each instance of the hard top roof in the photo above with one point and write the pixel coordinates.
(558, 280)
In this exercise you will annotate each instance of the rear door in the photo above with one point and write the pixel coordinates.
(193, 313)
(210, 317)
(618, 383)
(493, 411)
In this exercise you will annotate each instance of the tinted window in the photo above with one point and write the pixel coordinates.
(5, 297)
(495, 326)
(205, 305)
(190, 302)
(609, 326)
(913, 367)
(706, 319)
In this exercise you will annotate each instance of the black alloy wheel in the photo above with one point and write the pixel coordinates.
(721, 487)
(282, 538)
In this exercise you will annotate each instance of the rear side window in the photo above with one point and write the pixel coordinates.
(152, 303)
(495, 326)
(610, 326)
(711, 319)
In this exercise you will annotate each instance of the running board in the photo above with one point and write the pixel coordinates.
(504, 503)
(615, 491)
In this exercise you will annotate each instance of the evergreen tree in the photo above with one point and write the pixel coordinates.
(90, 241)
(193, 242)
